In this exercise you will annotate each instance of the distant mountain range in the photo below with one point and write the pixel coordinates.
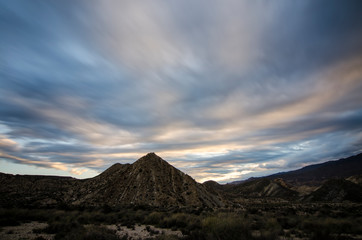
(332, 181)
(314, 175)
(153, 182)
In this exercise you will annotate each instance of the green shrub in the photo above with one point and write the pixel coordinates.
(154, 218)
(288, 222)
(226, 227)
(39, 238)
(182, 221)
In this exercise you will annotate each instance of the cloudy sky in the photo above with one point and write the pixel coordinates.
(222, 90)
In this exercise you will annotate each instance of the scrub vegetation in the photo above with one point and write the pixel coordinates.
(256, 221)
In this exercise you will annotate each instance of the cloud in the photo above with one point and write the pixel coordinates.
(209, 86)
(7, 144)
(77, 171)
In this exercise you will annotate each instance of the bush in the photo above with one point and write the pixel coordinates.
(182, 221)
(288, 222)
(14, 216)
(154, 218)
(226, 227)
(39, 238)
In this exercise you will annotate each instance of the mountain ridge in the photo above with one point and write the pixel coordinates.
(317, 173)
(148, 181)
(354, 168)
(334, 181)
(152, 181)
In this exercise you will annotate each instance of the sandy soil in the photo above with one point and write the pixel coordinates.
(141, 232)
(24, 231)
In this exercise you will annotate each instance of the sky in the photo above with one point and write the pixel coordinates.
(222, 90)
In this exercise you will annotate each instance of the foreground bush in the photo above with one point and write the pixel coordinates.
(226, 227)
(100, 233)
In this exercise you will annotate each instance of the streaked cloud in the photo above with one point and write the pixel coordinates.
(222, 90)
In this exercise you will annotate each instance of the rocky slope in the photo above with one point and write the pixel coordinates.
(337, 190)
(149, 181)
(29, 190)
(357, 179)
(258, 188)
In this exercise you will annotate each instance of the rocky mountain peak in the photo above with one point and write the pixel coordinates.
(150, 158)
(152, 164)
(148, 181)
(151, 155)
